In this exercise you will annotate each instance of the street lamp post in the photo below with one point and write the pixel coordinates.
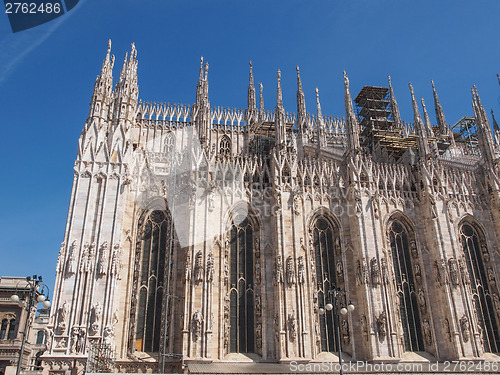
(334, 293)
(33, 286)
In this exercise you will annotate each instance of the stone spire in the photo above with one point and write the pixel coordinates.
(127, 90)
(441, 121)
(251, 113)
(279, 116)
(427, 120)
(485, 138)
(496, 128)
(262, 111)
(201, 108)
(351, 120)
(423, 143)
(103, 87)
(301, 105)
(320, 125)
(396, 117)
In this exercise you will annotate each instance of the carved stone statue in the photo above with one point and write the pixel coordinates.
(116, 263)
(258, 274)
(465, 327)
(421, 299)
(210, 267)
(375, 271)
(258, 305)
(60, 258)
(418, 273)
(80, 344)
(413, 249)
(427, 331)
(187, 273)
(364, 327)
(340, 272)
(71, 267)
(345, 332)
(338, 248)
(360, 279)
(226, 272)
(103, 259)
(290, 272)
(198, 268)
(63, 311)
(382, 325)
(258, 336)
(485, 252)
(441, 272)
(96, 313)
(278, 269)
(453, 271)
(74, 339)
(197, 322)
(301, 270)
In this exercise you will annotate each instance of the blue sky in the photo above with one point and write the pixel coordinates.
(47, 75)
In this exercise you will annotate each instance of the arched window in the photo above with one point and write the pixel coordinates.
(325, 235)
(40, 337)
(481, 275)
(405, 284)
(156, 239)
(242, 293)
(12, 330)
(225, 147)
(38, 361)
(3, 329)
(169, 143)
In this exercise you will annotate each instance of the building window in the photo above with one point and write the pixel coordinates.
(325, 235)
(40, 337)
(12, 330)
(405, 284)
(169, 143)
(225, 147)
(480, 277)
(242, 292)
(156, 239)
(3, 329)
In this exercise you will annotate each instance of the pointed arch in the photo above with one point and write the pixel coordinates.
(243, 235)
(401, 237)
(324, 231)
(169, 143)
(483, 285)
(155, 237)
(225, 147)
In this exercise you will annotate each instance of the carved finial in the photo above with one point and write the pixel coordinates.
(495, 124)
(133, 53)
(279, 96)
(201, 68)
(251, 101)
(299, 82)
(423, 144)
(427, 120)
(261, 102)
(396, 117)
(352, 121)
(318, 105)
(485, 137)
(441, 121)
(109, 48)
(206, 71)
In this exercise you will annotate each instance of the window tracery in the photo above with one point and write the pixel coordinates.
(406, 276)
(484, 288)
(225, 147)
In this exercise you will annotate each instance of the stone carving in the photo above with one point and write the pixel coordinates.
(375, 271)
(226, 272)
(49, 335)
(485, 252)
(496, 301)
(491, 275)
(210, 267)
(427, 331)
(258, 273)
(418, 273)
(80, 344)
(441, 272)
(96, 313)
(71, 267)
(196, 325)
(109, 336)
(382, 325)
(103, 259)
(292, 329)
(258, 305)
(290, 272)
(258, 336)
(364, 326)
(187, 269)
(74, 339)
(465, 327)
(61, 343)
(340, 272)
(413, 249)
(278, 269)
(301, 270)
(338, 248)
(62, 312)
(198, 268)
(463, 271)
(116, 264)
(421, 299)
(60, 258)
(447, 328)
(453, 271)
(345, 332)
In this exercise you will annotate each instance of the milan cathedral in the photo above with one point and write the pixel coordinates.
(207, 235)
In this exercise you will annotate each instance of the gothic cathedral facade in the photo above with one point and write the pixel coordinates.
(199, 233)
